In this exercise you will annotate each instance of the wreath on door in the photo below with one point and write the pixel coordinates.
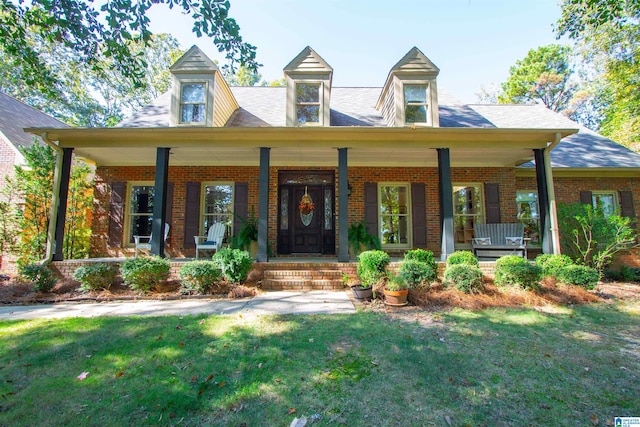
(306, 208)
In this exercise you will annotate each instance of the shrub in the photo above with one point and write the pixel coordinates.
(235, 264)
(94, 277)
(514, 270)
(579, 275)
(41, 277)
(464, 277)
(462, 257)
(550, 264)
(417, 273)
(199, 277)
(420, 255)
(371, 266)
(144, 273)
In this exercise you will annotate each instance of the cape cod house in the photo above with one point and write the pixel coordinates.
(309, 159)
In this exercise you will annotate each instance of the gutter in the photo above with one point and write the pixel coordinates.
(55, 200)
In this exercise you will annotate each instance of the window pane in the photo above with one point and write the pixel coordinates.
(467, 209)
(463, 226)
(415, 114)
(415, 94)
(606, 202)
(307, 93)
(193, 113)
(141, 199)
(284, 210)
(218, 199)
(308, 113)
(328, 209)
(140, 226)
(394, 208)
(193, 92)
(466, 200)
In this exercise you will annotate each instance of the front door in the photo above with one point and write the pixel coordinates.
(305, 211)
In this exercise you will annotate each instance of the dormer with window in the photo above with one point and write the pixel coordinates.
(308, 79)
(200, 96)
(410, 94)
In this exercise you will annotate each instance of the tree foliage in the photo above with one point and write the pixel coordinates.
(544, 76)
(106, 29)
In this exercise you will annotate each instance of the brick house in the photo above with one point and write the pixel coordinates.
(418, 166)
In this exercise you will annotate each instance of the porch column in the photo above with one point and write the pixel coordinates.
(543, 201)
(553, 214)
(263, 206)
(63, 196)
(343, 206)
(446, 202)
(160, 201)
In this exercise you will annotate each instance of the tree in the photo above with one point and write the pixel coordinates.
(542, 76)
(242, 77)
(106, 29)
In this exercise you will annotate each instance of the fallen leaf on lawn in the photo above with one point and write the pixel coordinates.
(222, 384)
(547, 355)
(260, 365)
(179, 327)
(83, 375)
(278, 380)
(194, 379)
(119, 374)
(310, 339)
(88, 356)
(299, 422)
(201, 322)
(159, 338)
(292, 410)
(447, 419)
(181, 344)
(594, 420)
(209, 378)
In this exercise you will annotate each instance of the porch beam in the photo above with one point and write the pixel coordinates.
(543, 201)
(160, 201)
(63, 196)
(343, 206)
(445, 188)
(263, 206)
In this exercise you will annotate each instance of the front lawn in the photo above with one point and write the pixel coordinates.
(497, 367)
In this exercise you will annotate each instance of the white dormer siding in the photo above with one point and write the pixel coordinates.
(410, 94)
(308, 78)
(199, 95)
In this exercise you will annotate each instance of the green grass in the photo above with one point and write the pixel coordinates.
(501, 367)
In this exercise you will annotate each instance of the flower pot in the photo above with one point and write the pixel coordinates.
(364, 294)
(396, 298)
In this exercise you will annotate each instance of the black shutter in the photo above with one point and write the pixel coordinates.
(240, 205)
(116, 214)
(419, 214)
(586, 198)
(492, 193)
(371, 207)
(626, 204)
(191, 214)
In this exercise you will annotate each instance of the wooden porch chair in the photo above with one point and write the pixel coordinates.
(212, 241)
(140, 240)
(496, 240)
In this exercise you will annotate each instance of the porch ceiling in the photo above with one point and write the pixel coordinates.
(304, 146)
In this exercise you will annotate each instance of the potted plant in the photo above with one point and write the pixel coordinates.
(247, 237)
(371, 270)
(396, 290)
(360, 240)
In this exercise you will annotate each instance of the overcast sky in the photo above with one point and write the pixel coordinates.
(473, 42)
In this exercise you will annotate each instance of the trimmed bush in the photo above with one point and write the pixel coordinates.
(371, 267)
(41, 277)
(550, 264)
(235, 264)
(417, 273)
(464, 277)
(579, 275)
(199, 277)
(462, 257)
(420, 255)
(144, 273)
(517, 271)
(94, 277)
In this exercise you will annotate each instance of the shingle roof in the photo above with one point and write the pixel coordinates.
(16, 115)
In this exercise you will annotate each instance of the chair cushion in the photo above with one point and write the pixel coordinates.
(209, 242)
(514, 241)
(482, 241)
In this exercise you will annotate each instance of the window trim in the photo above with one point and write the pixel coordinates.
(203, 188)
(320, 102)
(205, 84)
(127, 209)
(616, 199)
(427, 103)
(409, 243)
(482, 209)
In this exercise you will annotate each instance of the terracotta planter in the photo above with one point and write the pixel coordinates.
(360, 293)
(396, 298)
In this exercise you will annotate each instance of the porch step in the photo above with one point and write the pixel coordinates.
(302, 280)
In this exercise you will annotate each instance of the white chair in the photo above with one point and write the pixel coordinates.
(147, 246)
(212, 241)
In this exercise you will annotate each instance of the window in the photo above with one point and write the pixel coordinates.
(527, 205)
(140, 210)
(217, 206)
(415, 104)
(394, 215)
(467, 211)
(192, 103)
(607, 200)
(308, 103)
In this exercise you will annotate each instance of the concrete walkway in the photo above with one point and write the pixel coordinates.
(284, 302)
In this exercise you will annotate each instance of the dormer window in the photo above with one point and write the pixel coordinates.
(415, 104)
(193, 103)
(308, 103)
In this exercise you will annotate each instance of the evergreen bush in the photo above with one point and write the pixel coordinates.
(41, 277)
(144, 273)
(371, 267)
(580, 275)
(515, 270)
(550, 264)
(235, 264)
(417, 273)
(464, 277)
(94, 277)
(199, 277)
(462, 257)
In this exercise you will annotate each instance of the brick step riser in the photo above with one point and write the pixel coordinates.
(293, 284)
(302, 274)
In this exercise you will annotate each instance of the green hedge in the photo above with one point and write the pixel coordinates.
(94, 277)
(371, 266)
(462, 257)
(516, 271)
(41, 277)
(464, 277)
(551, 264)
(579, 275)
(235, 264)
(199, 277)
(144, 273)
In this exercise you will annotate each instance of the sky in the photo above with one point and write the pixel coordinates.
(473, 42)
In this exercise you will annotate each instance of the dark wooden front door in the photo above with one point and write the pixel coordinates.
(301, 231)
